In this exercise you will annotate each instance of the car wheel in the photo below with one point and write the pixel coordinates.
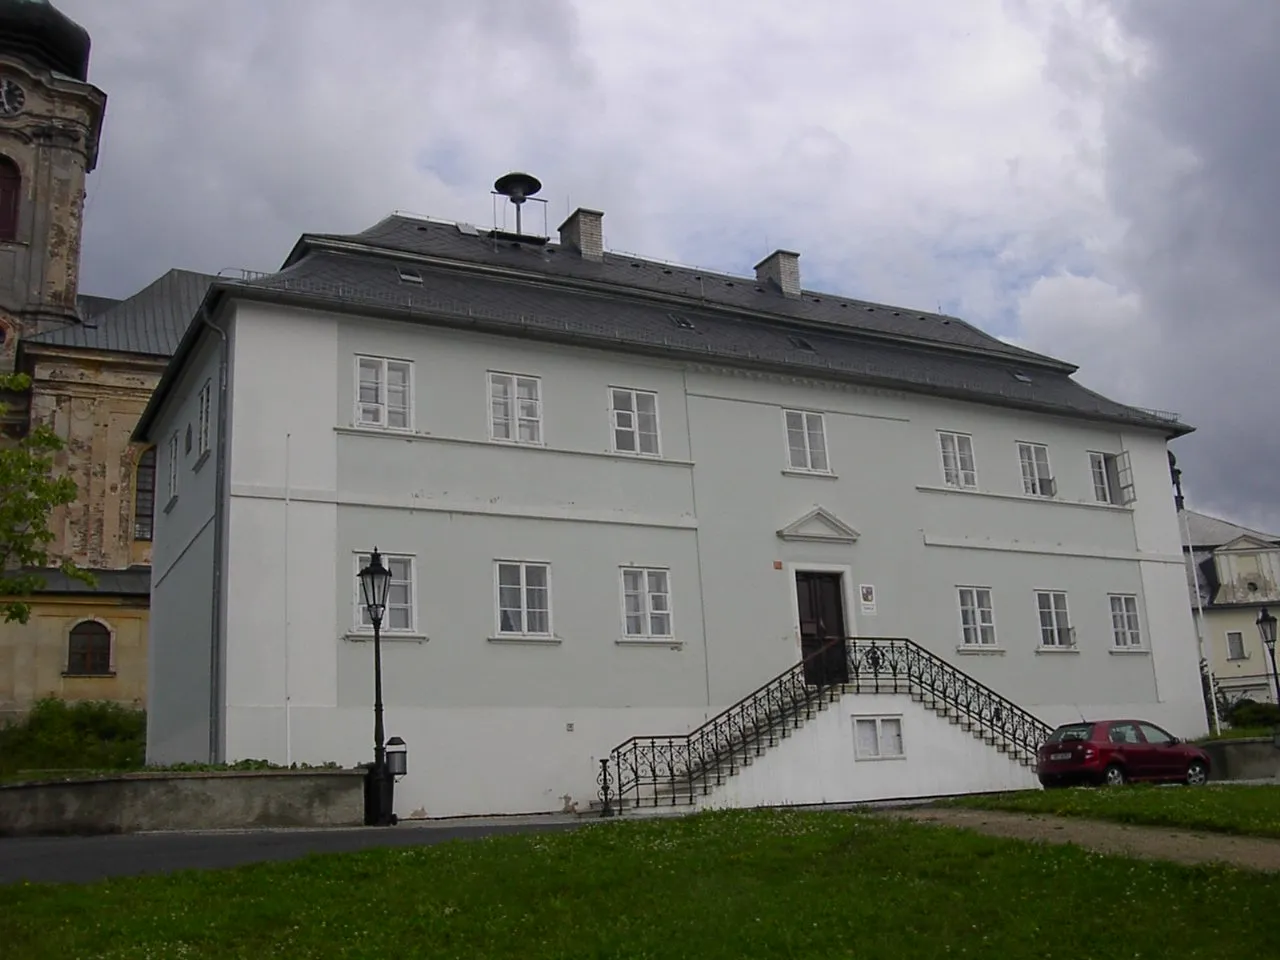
(1113, 776)
(1197, 774)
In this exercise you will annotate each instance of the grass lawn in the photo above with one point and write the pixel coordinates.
(728, 885)
(1253, 810)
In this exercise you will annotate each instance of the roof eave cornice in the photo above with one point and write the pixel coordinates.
(310, 242)
(337, 305)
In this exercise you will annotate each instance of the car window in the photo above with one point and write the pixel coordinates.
(1070, 732)
(1123, 733)
(1155, 735)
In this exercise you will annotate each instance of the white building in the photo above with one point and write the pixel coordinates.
(618, 496)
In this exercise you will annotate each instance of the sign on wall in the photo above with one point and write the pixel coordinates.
(867, 594)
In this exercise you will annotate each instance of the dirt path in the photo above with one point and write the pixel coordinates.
(1152, 843)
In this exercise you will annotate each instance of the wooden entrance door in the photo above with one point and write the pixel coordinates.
(820, 600)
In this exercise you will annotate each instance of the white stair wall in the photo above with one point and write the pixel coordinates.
(817, 762)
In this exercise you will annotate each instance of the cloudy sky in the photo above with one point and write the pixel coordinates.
(1095, 180)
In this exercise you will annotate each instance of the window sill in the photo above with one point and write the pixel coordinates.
(200, 462)
(671, 642)
(519, 443)
(979, 649)
(900, 756)
(1023, 497)
(1058, 650)
(810, 474)
(1238, 659)
(406, 432)
(173, 502)
(67, 675)
(386, 637)
(1130, 652)
(519, 639)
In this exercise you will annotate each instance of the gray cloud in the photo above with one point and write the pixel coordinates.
(1184, 309)
(1089, 183)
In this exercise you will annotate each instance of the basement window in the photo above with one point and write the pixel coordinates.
(877, 738)
(410, 276)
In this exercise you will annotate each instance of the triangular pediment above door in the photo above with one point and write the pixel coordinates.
(820, 525)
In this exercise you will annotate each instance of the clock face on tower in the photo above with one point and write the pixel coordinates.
(12, 97)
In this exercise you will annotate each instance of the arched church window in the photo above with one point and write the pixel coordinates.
(144, 495)
(89, 650)
(10, 194)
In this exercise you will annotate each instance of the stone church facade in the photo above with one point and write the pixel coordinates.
(93, 363)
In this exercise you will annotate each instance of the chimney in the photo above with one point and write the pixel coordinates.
(582, 232)
(783, 268)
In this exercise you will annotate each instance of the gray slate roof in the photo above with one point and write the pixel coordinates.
(1207, 531)
(130, 582)
(620, 320)
(151, 322)
(459, 242)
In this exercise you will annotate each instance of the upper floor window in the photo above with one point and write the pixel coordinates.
(515, 408)
(1037, 478)
(173, 467)
(1126, 631)
(1235, 645)
(10, 198)
(958, 468)
(89, 650)
(635, 421)
(144, 495)
(1112, 478)
(806, 441)
(203, 421)
(384, 393)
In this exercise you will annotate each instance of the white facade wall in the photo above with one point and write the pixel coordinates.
(505, 727)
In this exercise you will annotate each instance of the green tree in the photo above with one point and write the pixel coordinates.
(29, 492)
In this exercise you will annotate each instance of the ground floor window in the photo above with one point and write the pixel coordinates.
(877, 738)
(89, 650)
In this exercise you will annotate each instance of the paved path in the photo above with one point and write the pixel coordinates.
(1152, 843)
(84, 859)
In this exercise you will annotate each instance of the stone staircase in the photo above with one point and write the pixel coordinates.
(672, 773)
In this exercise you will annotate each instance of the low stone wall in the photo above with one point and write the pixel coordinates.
(1245, 759)
(212, 800)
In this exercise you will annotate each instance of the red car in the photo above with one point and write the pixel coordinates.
(1113, 752)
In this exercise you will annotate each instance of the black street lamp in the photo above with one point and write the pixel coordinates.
(375, 581)
(1267, 630)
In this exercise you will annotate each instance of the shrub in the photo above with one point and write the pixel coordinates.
(93, 735)
(1249, 713)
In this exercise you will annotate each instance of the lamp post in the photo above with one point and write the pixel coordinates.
(1267, 630)
(375, 581)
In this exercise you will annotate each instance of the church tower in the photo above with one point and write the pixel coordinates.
(50, 125)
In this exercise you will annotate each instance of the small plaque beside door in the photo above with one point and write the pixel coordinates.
(867, 599)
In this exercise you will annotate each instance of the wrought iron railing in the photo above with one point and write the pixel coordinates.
(653, 771)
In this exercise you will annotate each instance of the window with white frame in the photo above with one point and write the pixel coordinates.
(635, 421)
(203, 422)
(515, 408)
(173, 466)
(1235, 645)
(524, 599)
(1055, 624)
(877, 738)
(806, 441)
(1037, 479)
(958, 467)
(401, 613)
(1112, 478)
(977, 617)
(1126, 631)
(646, 602)
(384, 391)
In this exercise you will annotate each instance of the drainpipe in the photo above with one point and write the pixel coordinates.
(217, 667)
